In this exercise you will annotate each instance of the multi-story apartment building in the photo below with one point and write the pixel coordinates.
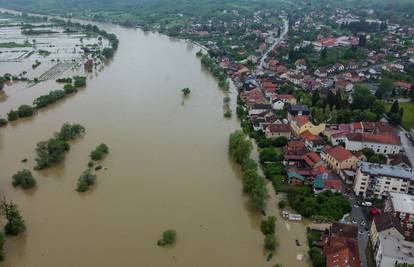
(376, 180)
(401, 206)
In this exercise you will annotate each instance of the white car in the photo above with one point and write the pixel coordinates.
(360, 232)
(366, 204)
(363, 223)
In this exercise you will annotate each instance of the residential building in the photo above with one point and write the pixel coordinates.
(388, 242)
(298, 110)
(341, 247)
(294, 178)
(376, 180)
(338, 158)
(401, 206)
(277, 130)
(379, 143)
(301, 124)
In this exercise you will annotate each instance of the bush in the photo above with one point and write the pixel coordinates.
(51, 97)
(227, 114)
(70, 131)
(3, 122)
(226, 99)
(25, 111)
(249, 164)
(15, 223)
(23, 178)
(280, 141)
(99, 152)
(69, 89)
(282, 204)
(85, 180)
(239, 147)
(270, 242)
(50, 152)
(317, 258)
(79, 81)
(12, 115)
(168, 238)
(268, 225)
(2, 240)
(64, 80)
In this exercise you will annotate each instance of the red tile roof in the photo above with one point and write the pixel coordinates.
(342, 258)
(279, 128)
(403, 85)
(339, 153)
(375, 138)
(332, 184)
(301, 120)
(311, 158)
(308, 136)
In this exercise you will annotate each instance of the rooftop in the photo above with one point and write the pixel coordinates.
(386, 170)
(402, 202)
(375, 138)
(395, 248)
(339, 153)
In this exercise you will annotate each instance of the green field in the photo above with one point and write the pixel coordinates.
(14, 45)
(408, 117)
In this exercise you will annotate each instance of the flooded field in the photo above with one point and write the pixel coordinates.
(168, 168)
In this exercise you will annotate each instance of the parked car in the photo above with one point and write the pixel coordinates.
(366, 204)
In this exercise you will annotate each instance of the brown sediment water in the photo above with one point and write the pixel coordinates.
(168, 168)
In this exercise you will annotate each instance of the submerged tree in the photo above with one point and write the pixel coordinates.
(15, 223)
(186, 91)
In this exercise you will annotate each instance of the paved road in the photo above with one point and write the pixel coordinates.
(277, 41)
(359, 214)
(407, 146)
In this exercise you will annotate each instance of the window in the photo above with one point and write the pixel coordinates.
(387, 182)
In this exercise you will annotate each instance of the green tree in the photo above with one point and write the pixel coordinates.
(85, 180)
(23, 178)
(239, 147)
(315, 98)
(280, 141)
(99, 152)
(267, 154)
(270, 242)
(259, 195)
(15, 223)
(12, 115)
(186, 91)
(3, 122)
(169, 236)
(2, 240)
(362, 98)
(25, 111)
(317, 258)
(70, 132)
(394, 107)
(268, 225)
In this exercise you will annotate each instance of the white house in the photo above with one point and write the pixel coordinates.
(379, 143)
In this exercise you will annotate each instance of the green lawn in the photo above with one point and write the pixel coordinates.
(14, 45)
(408, 117)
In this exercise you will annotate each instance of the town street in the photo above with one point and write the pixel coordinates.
(277, 41)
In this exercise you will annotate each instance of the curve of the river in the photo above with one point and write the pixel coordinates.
(168, 168)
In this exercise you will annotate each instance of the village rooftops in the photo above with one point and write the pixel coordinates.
(402, 202)
(386, 170)
(297, 108)
(375, 138)
(339, 153)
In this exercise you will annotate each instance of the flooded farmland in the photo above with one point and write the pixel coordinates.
(168, 167)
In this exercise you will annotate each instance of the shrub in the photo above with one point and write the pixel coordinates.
(64, 80)
(50, 152)
(3, 122)
(317, 258)
(12, 115)
(15, 223)
(270, 242)
(239, 147)
(227, 114)
(99, 152)
(23, 178)
(282, 204)
(25, 111)
(69, 89)
(226, 99)
(168, 237)
(79, 81)
(85, 180)
(268, 225)
(70, 131)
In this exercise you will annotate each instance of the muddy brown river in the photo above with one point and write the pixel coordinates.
(168, 168)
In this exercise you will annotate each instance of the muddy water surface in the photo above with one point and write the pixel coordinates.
(167, 168)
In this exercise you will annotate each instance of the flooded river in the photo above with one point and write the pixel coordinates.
(168, 168)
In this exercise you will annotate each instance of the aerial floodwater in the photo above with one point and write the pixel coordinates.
(168, 167)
